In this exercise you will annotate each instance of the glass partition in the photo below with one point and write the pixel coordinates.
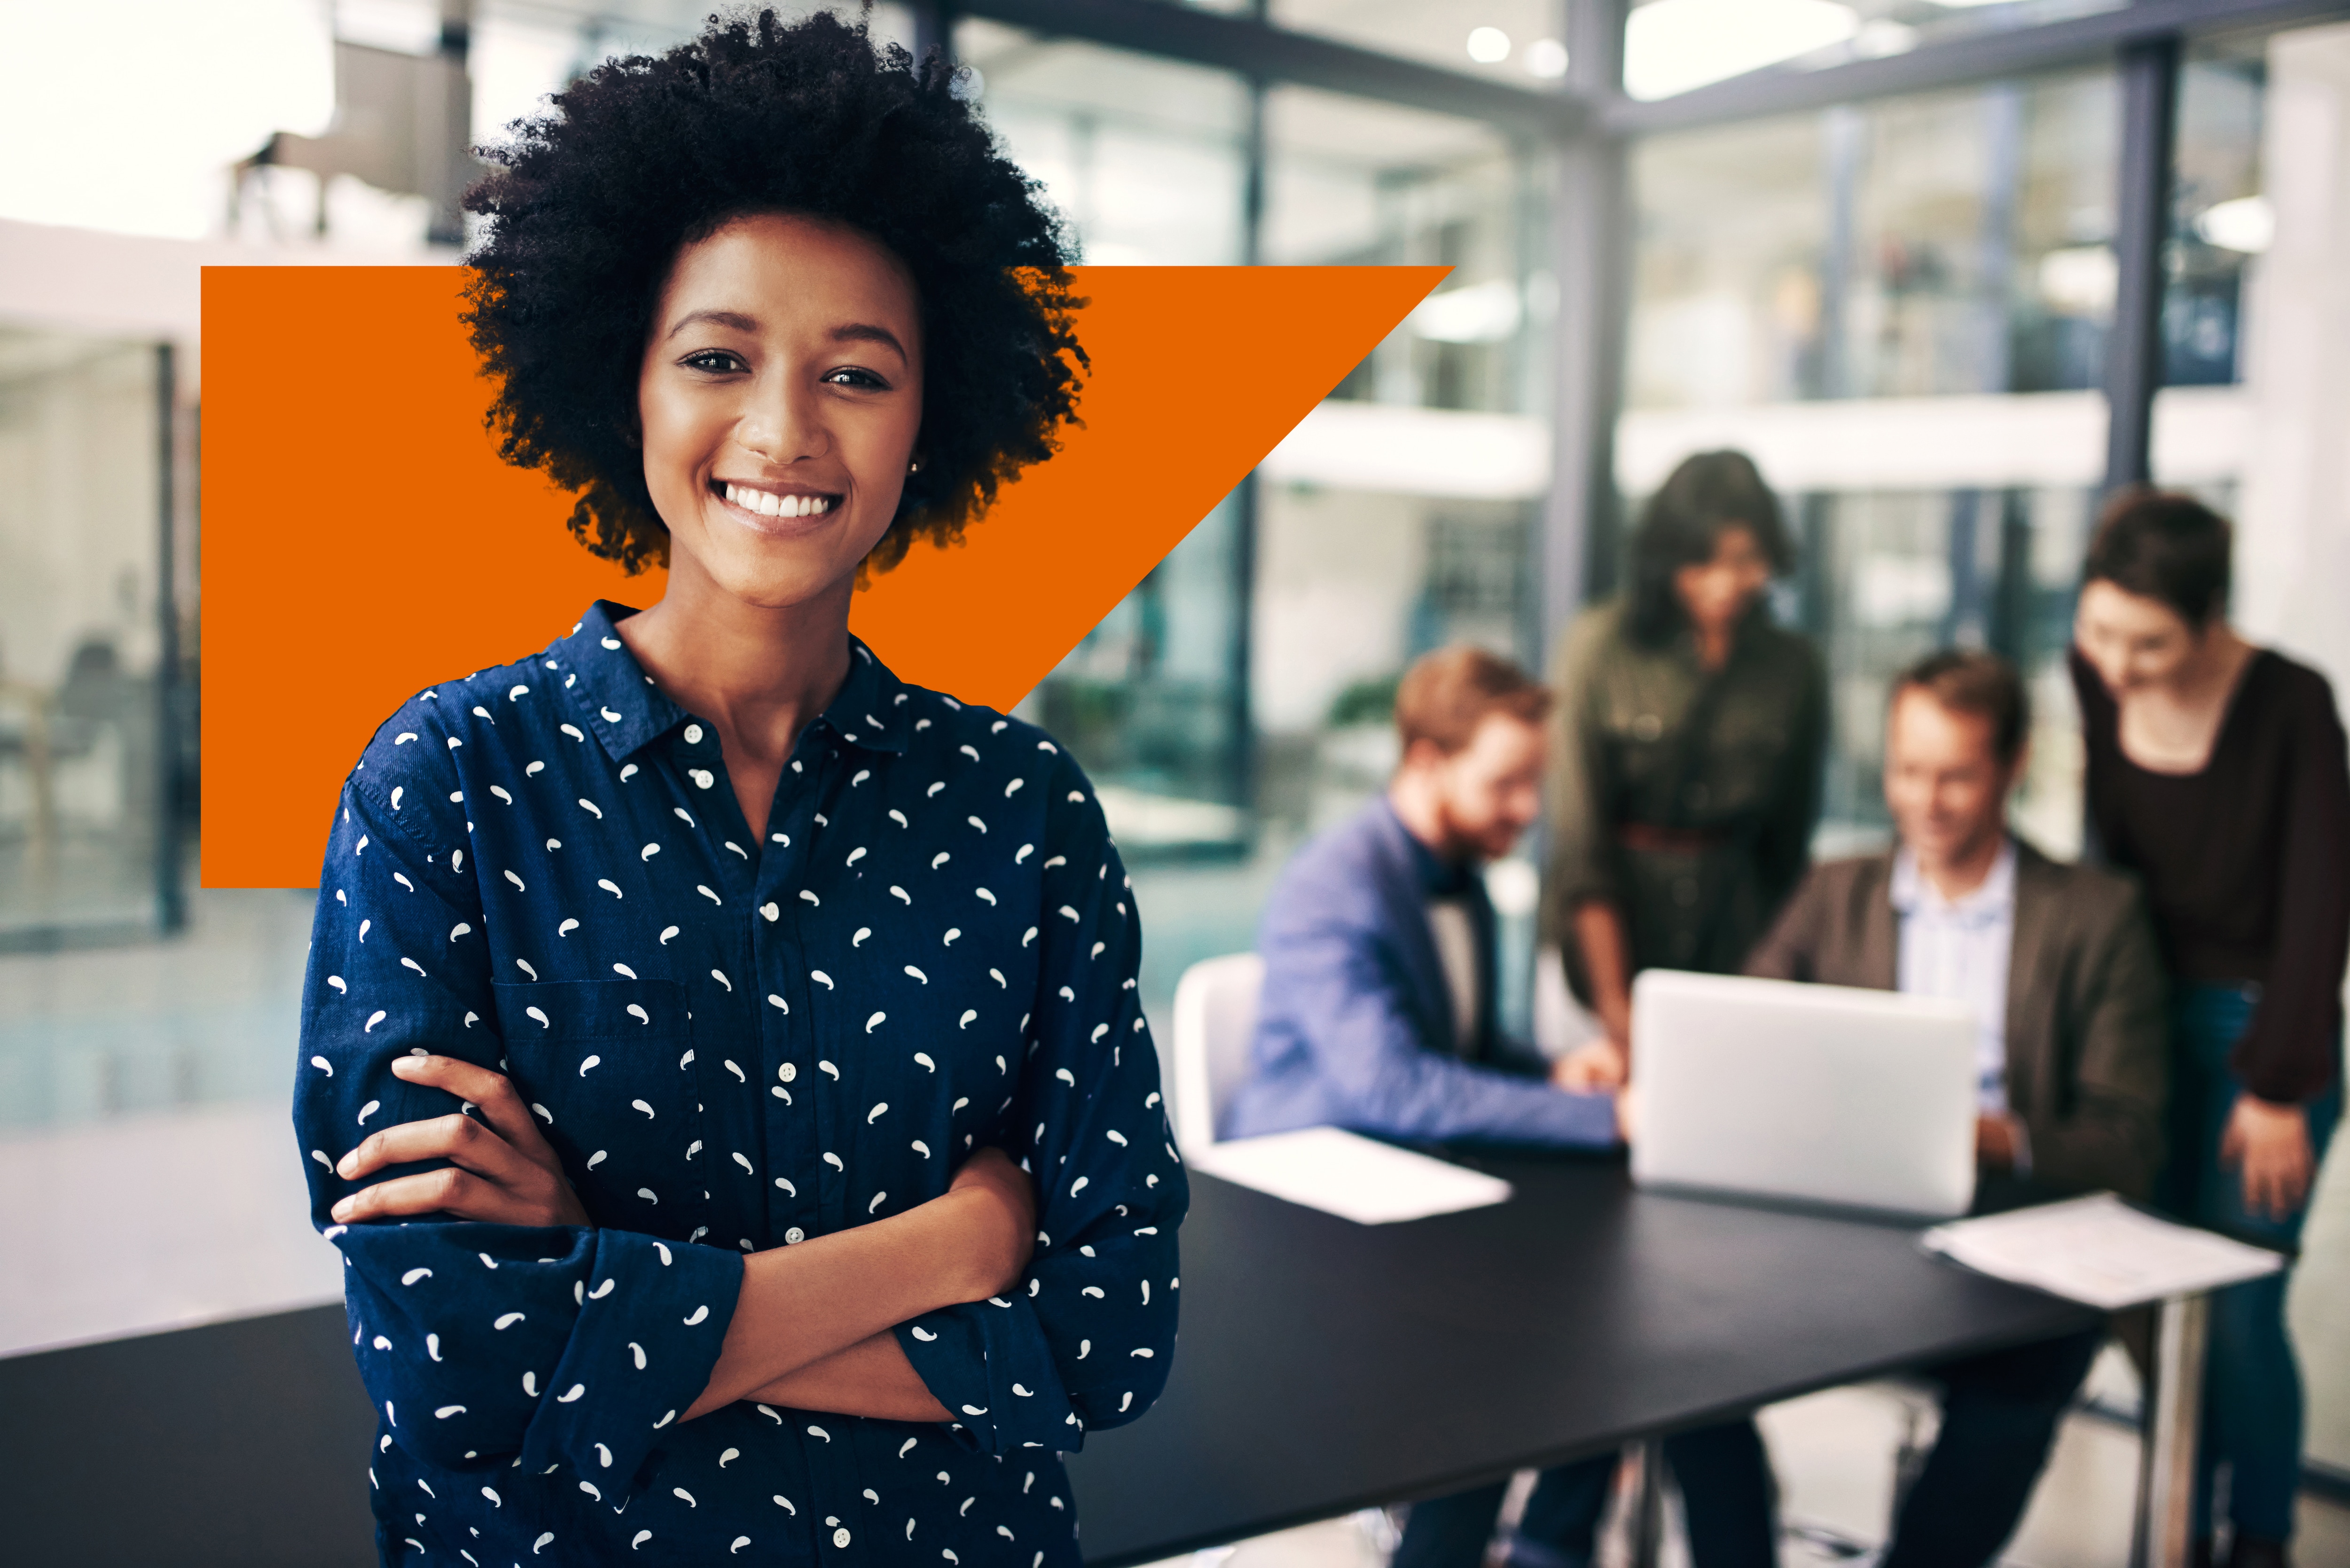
(1900, 309)
(85, 737)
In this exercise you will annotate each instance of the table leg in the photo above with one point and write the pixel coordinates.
(1649, 1508)
(2172, 1426)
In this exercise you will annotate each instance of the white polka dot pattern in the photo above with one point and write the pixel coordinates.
(734, 1046)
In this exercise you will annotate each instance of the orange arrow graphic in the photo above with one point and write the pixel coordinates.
(362, 540)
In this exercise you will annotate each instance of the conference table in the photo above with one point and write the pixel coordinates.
(1322, 1367)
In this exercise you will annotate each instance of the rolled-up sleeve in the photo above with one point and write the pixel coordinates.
(477, 1343)
(1085, 1342)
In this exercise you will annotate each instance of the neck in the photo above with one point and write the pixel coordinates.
(756, 670)
(1420, 809)
(1956, 876)
(1713, 643)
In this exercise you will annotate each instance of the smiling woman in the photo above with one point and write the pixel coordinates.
(645, 158)
(778, 1166)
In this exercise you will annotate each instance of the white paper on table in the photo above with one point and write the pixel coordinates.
(1350, 1176)
(2100, 1252)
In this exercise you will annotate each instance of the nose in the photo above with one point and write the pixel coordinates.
(781, 421)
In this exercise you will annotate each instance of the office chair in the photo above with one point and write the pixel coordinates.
(1215, 1017)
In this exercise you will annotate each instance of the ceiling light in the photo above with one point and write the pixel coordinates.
(1673, 46)
(2080, 280)
(1546, 58)
(1881, 36)
(2248, 225)
(1489, 46)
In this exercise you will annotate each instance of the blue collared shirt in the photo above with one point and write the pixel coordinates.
(1960, 950)
(732, 1046)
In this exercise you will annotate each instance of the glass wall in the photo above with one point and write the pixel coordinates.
(1900, 308)
(1147, 162)
(84, 738)
(2220, 218)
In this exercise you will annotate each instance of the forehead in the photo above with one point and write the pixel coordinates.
(784, 268)
(2111, 604)
(1921, 720)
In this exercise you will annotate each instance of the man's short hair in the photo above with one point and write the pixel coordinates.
(1446, 694)
(1969, 681)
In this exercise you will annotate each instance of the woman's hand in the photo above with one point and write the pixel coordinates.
(2272, 1143)
(503, 1172)
(996, 1209)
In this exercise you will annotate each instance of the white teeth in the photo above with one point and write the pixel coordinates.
(768, 503)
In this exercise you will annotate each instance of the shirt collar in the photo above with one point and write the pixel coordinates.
(1994, 899)
(625, 712)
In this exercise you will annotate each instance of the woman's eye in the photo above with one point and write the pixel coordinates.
(849, 375)
(715, 360)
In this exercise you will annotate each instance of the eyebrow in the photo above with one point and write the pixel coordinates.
(849, 332)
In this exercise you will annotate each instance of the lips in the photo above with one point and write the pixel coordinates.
(775, 502)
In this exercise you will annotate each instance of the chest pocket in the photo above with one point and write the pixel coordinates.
(608, 1069)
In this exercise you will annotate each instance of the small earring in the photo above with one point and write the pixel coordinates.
(915, 466)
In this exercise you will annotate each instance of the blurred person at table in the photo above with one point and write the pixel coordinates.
(1688, 745)
(2217, 773)
(1377, 1014)
(2059, 966)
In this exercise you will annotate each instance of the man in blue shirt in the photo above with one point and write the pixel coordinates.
(1377, 1009)
(1377, 1015)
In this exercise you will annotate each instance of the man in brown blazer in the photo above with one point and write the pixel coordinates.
(2060, 965)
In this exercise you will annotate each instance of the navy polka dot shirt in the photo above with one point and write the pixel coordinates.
(732, 1046)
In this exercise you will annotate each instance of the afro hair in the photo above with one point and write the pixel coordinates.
(589, 204)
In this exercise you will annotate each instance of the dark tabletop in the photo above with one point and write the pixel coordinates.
(1324, 1366)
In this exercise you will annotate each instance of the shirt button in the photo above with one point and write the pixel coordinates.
(795, 1236)
(840, 1536)
(788, 1071)
(693, 735)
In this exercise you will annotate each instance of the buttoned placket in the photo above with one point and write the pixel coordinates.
(801, 1122)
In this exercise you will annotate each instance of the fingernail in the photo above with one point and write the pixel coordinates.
(343, 1168)
(405, 1063)
(342, 1209)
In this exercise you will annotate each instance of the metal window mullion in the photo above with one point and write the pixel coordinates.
(2149, 91)
(170, 896)
(1591, 252)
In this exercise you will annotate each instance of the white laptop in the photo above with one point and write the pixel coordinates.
(1818, 1093)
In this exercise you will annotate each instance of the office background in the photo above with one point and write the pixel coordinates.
(1946, 268)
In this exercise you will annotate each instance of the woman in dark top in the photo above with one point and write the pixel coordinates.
(722, 1070)
(2217, 773)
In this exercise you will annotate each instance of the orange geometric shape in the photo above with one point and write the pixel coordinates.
(362, 539)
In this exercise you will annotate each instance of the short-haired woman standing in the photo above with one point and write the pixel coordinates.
(722, 1066)
(2217, 773)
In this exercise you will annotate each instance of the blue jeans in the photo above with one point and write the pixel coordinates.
(2251, 1383)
